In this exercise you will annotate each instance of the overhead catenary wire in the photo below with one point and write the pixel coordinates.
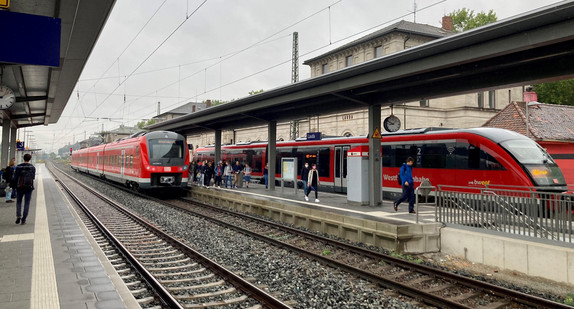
(230, 55)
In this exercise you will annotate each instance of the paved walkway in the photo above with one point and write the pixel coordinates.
(338, 203)
(50, 262)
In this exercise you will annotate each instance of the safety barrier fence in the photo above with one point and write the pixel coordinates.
(516, 210)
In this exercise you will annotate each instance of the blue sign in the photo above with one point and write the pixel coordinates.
(20, 145)
(313, 136)
(30, 39)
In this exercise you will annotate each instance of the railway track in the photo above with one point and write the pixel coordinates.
(426, 284)
(179, 276)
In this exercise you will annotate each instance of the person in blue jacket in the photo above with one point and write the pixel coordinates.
(406, 176)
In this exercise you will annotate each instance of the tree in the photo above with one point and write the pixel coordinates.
(464, 19)
(559, 92)
(145, 123)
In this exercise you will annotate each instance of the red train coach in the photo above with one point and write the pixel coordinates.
(147, 160)
(470, 157)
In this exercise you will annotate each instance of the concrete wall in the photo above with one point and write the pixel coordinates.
(403, 238)
(534, 259)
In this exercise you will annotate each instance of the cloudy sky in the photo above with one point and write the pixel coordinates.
(177, 51)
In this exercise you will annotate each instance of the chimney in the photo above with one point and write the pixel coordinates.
(208, 103)
(447, 23)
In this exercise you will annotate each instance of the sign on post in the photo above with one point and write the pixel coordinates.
(289, 171)
(5, 4)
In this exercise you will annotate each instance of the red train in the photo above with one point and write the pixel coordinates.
(470, 157)
(148, 160)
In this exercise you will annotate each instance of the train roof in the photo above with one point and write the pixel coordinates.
(495, 134)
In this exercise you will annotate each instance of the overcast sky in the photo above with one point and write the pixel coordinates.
(222, 50)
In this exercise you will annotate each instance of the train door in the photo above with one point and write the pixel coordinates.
(98, 162)
(122, 162)
(340, 166)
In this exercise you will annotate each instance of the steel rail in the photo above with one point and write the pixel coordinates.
(242, 284)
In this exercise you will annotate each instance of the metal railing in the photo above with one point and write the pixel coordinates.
(520, 211)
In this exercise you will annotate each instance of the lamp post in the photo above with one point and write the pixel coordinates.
(528, 117)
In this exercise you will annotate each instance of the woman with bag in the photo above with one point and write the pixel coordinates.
(8, 175)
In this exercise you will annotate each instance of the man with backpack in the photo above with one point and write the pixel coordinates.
(24, 179)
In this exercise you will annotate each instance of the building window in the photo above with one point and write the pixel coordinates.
(349, 61)
(491, 99)
(424, 103)
(324, 69)
(378, 51)
(480, 100)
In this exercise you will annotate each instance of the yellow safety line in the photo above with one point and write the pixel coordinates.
(44, 292)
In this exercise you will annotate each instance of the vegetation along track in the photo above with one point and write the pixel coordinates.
(179, 276)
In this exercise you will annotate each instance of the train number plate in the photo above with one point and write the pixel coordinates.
(167, 169)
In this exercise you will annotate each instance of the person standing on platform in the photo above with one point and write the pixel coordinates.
(247, 174)
(313, 182)
(208, 174)
(406, 176)
(266, 174)
(8, 175)
(237, 169)
(304, 176)
(228, 173)
(24, 175)
(218, 174)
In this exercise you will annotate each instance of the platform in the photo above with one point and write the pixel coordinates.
(380, 226)
(50, 262)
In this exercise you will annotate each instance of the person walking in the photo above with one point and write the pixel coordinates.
(304, 176)
(247, 174)
(228, 173)
(237, 169)
(266, 174)
(24, 175)
(313, 182)
(408, 185)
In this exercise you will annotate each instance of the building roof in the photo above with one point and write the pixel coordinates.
(185, 109)
(124, 130)
(401, 26)
(548, 122)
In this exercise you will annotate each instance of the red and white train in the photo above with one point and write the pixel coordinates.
(469, 157)
(148, 160)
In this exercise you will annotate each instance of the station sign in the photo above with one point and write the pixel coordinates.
(30, 39)
(19, 145)
(314, 136)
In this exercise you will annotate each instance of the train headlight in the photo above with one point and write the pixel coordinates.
(148, 168)
(185, 167)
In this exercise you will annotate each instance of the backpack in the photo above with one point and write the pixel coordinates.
(26, 178)
(399, 177)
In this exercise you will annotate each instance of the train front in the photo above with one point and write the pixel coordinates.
(537, 163)
(168, 160)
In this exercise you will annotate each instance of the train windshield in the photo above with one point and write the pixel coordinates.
(537, 161)
(165, 149)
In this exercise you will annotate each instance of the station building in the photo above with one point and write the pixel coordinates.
(460, 111)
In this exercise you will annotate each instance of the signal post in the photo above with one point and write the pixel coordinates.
(375, 166)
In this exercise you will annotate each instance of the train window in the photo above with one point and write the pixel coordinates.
(337, 162)
(402, 152)
(131, 161)
(477, 158)
(324, 162)
(388, 156)
(433, 156)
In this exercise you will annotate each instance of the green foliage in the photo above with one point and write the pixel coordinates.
(465, 19)
(252, 92)
(569, 300)
(216, 102)
(560, 92)
(144, 123)
(326, 252)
